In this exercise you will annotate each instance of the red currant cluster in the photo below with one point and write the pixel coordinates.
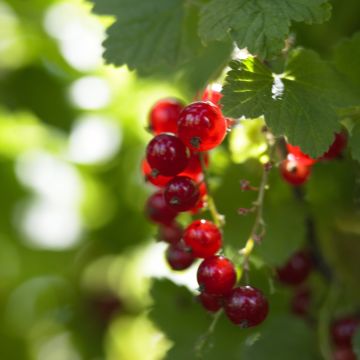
(296, 168)
(175, 160)
(294, 273)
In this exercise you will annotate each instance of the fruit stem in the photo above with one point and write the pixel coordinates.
(219, 219)
(258, 229)
(202, 341)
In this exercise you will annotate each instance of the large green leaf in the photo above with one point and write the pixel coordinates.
(145, 34)
(300, 103)
(262, 25)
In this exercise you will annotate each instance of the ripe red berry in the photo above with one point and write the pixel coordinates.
(203, 238)
(342, 330)
(344, 353)
(167, 155)
(216, 275)
(178, 258)
(296, 152)
(157, 210)
(213, 94)
(181, 193)
(158, 180)
(201, 126)
(171, 233)
(210, 302)
(164, 115)
(336, 147)
(296, 270)
(300, 302)
(295, 171)
(246, 306)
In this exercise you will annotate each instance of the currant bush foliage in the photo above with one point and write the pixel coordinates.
(301, 103)
(261, 26)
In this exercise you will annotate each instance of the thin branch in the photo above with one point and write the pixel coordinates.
(203, 340)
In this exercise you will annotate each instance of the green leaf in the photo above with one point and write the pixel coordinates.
(262, 26)
(283, 338)
(145, 34)
(184, 321)
(355, 142)
(300, 103)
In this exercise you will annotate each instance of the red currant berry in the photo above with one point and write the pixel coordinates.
(171, 233)
(157, 210)
(164, 116)
(167, 155)
(344, 353)
(300, 302)
(342, 330)
(246, 306)
(158, 180)
(216, 275)
(210, 302)
(213, 94)
(178, 258)
(296, 153)
(295, 171)
(296, 270)
(201, 126)
(181, 193)
(203, 238)
(336, 147)
(194, 169)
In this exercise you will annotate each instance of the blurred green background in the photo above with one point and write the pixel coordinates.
(76, 254)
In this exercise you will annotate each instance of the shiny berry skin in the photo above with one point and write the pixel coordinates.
(171, 233)
(181, 193)
(178, 258)
(203, 238)
(201, 126)
(246, 306)
(167, 155)
(300, 302)
(296, 270)
(157, 210)
(344, 353)
(295, 171)
(213, 94)
(159, 180)
(342, 330)
(164, 115)
(336, 147)
(296, 152)
(216, 275)
(210, 302)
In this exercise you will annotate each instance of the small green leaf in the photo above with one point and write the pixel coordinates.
(262, 26)
(300, 103)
